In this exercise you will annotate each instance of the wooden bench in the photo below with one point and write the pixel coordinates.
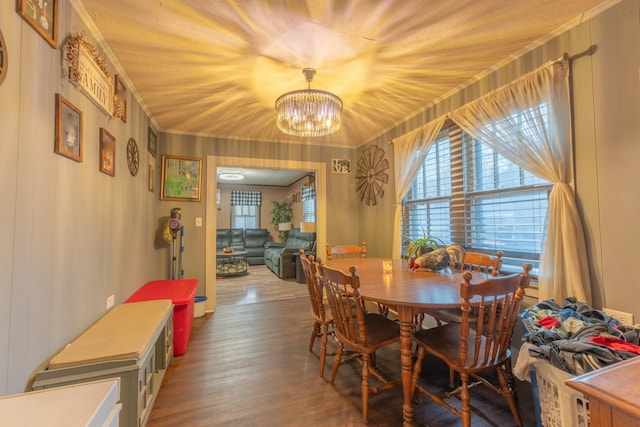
(133, 342)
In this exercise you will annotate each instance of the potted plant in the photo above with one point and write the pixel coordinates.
(423, 245)
(281, 213)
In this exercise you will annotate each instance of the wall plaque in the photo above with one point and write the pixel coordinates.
(89, 73)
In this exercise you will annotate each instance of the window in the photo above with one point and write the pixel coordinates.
(245, 209)
(466, 193)
(308, 204)
(243, 216)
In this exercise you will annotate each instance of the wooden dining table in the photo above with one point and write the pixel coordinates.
(407, 292)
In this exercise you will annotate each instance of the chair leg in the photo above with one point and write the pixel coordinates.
(506, 382)
(336, 362)
(417, 367)
(323, 348)
(365, 387)
(465, 397)
(452, 378)
(314, 332)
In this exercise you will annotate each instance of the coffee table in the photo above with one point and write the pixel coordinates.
(231, 263)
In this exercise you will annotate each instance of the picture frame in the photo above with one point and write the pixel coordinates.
(152, 142)
(340, 166)
(68, 129)
(119, 99)
(107, 153)
(181, 178)
(42, 16)
(151, 178)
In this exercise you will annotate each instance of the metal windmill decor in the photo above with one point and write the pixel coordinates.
(371, 175)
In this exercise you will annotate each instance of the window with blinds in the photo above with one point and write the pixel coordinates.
(308, 204)
(244, 216)
(468, 194)
(245, 209)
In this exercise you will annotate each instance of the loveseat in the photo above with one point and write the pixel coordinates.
(252, 240)
(281, 257)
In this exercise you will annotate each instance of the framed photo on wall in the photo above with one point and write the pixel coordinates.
(181, 178)
(107, 153)
(153, 142)
(68, 133)
(42, 15)
(152, 178)
(119, 99)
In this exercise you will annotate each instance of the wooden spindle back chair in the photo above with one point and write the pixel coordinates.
(361, 332)
(322, 320)
(344, 251)
(478, 343)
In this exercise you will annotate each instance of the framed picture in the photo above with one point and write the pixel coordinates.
(68, 133)
(107, 153)
(153, 141)
(151, 178)
(340, 166)
(181, 178)
(119, 100)
(42, 15)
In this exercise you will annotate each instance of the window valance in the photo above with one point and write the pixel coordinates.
(246, 198)
(308, 193)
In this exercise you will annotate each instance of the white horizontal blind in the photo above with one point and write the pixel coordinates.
(245, 216)
(308, 204)
(466, 193)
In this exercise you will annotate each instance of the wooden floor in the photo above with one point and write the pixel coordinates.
(248, 364)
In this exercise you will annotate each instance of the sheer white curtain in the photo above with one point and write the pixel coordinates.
(529, 123)
(409, 151)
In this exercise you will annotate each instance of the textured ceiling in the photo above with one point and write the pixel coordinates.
(216, 67)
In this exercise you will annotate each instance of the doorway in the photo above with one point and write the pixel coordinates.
(213, 162)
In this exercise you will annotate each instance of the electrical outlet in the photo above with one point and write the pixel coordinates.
(198, 221)
(620, 316)
(110, 301)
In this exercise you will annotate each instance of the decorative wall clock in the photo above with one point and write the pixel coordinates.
(371, 175)
(133, 157)
(4, 59)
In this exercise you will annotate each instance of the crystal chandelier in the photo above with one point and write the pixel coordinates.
(308, 112)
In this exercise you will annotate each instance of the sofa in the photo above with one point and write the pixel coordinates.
(280, 258)
(252, 240)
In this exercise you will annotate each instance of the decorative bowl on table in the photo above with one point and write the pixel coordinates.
(227, 250)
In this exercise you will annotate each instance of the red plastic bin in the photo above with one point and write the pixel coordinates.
(182, 293)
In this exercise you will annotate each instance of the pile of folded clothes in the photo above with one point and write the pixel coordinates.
(573, 337)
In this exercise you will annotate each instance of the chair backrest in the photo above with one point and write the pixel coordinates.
(476, 261)
(493, 320)
(347, 307)
(344, 251)
(314, 286)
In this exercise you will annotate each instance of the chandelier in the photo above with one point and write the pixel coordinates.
(308, 112)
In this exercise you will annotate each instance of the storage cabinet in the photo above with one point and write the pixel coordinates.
(613, 393)
(93, 404)
(133, 342)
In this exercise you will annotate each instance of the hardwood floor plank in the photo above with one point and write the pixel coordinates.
(248, 364)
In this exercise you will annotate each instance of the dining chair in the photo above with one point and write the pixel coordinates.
(352, 251)
(322, 319)
(344, 251)
(488, 264)
(359, 331)
(471, 261)
(476, 345)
